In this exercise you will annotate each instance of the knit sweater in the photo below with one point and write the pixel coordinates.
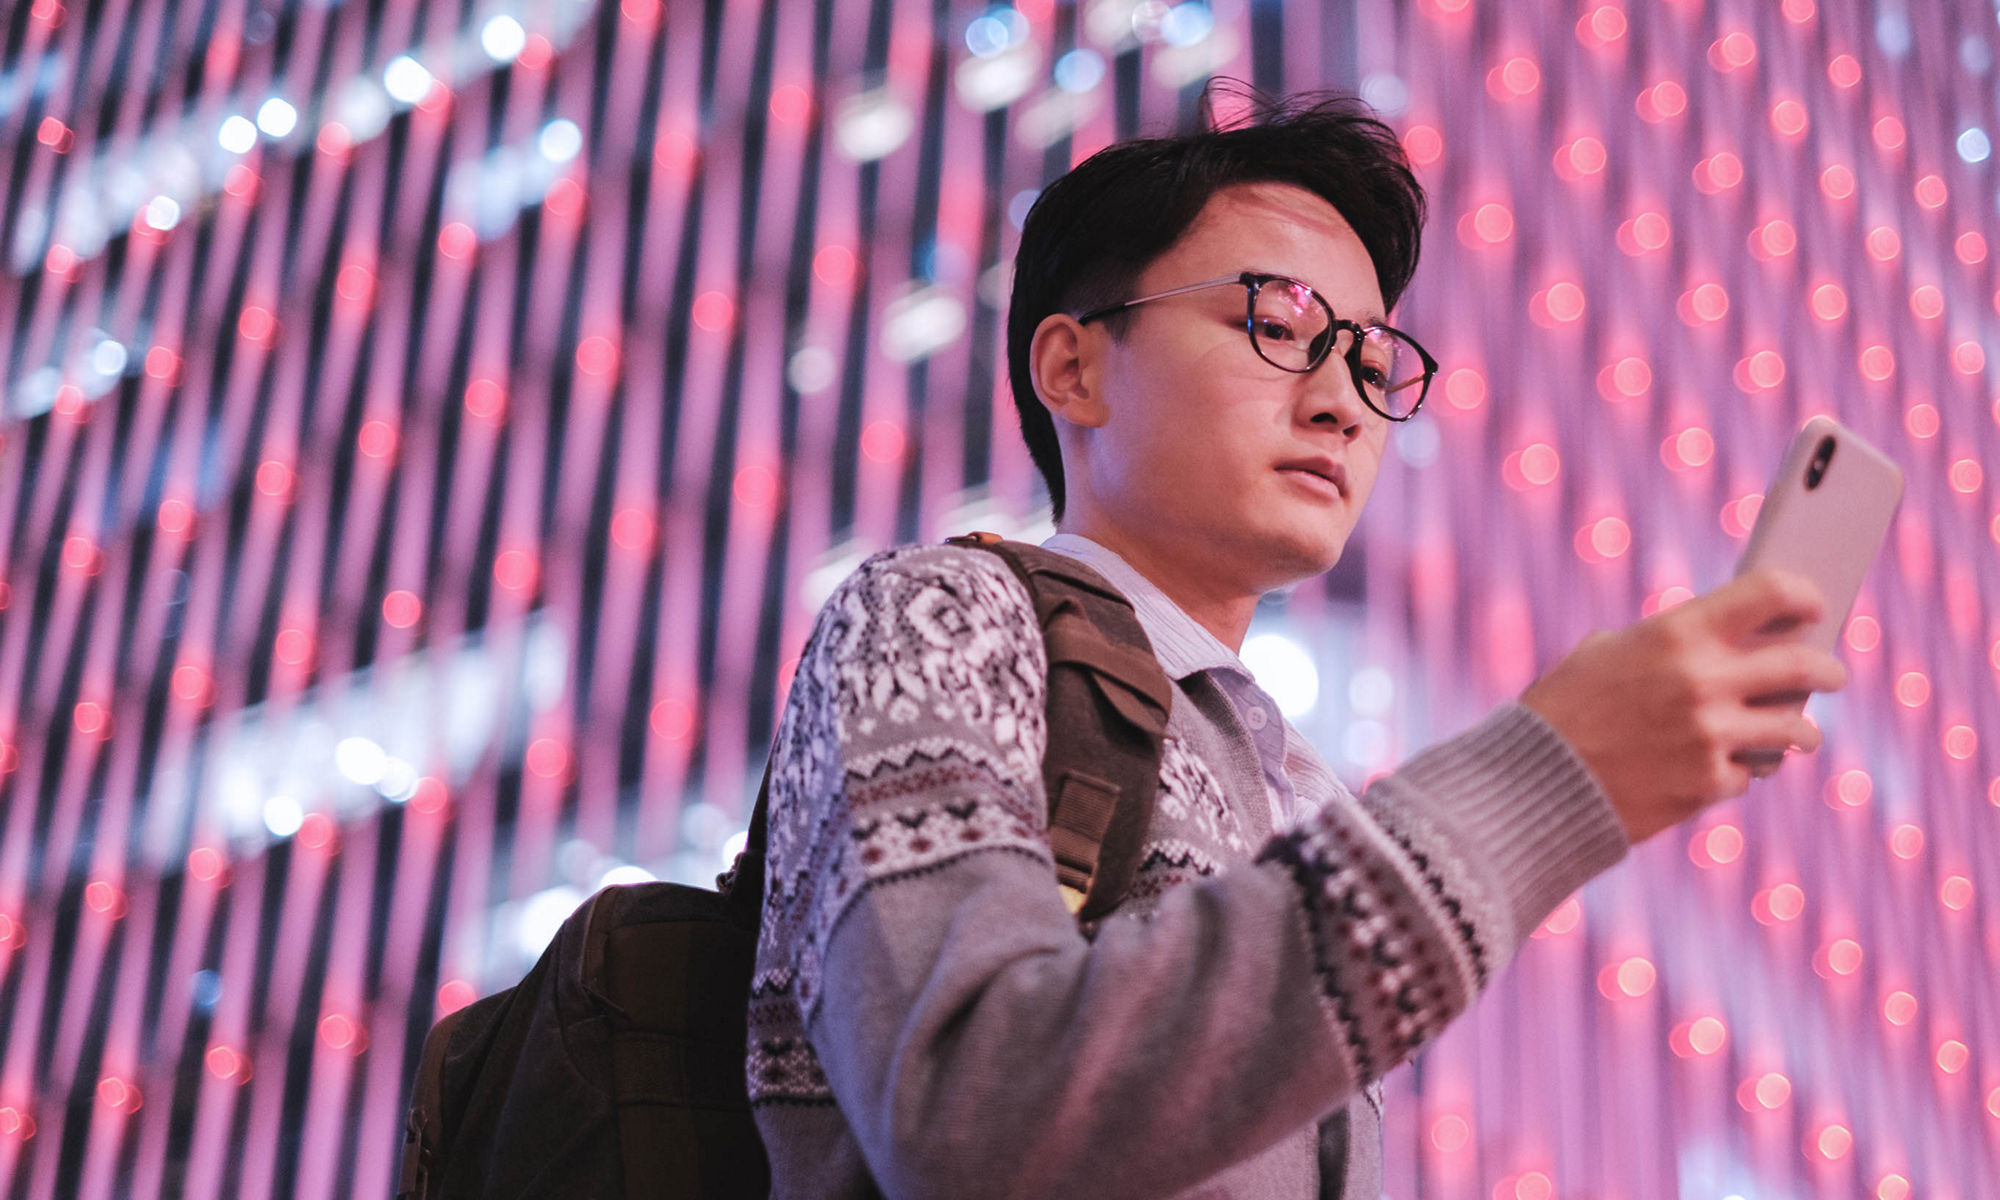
(928, 1019)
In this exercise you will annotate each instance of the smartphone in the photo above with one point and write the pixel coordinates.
(1825, 517)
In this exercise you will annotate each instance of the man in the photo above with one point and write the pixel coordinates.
(1197, 349)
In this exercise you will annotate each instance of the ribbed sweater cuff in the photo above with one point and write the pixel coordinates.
(1525, 805)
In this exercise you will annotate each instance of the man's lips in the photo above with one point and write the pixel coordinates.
(1324, 468)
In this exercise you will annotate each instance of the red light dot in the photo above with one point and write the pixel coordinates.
(453, 995)
(1567, 916)
(378, 439)
(1493, 223)
(1851, 788)
(1889, 134)
(564, 198)
(547, 758)
(81, 554)
(1927, 302)
(256, 323)
(791, 104)
(673, 720)
(1837, 182)
(1884, 244)
(1833, 1142)
(756, 487)
(485, 399)
(223, 1062)
(1465, 389)
(1952, 1055)
(101, 896)
(1931, 191)
(205, 863)
(643, 13)
(1518, 76)
(294, 646)
(1534, 1185)
(1767, 1091)
(1906, 841)
(163, 364)
(61, 260)
(1844, 71)
(1584, 156)
(1717, 846)
(1691, 447)
(1565, 301)
(1864, 633)
(1424, 144)
(1968, 358)
(92, 719)
(714, 311)
(339, 1031)
(632, 529)
(1706, 1035)
(1961, 742)
(456, 240)
(1739, 516)
(1765, 369)
(115, 1093)
(1610, 537)
(1956, 893)
(55, 135)
(1788, 118)
(1703, 304)
(1784, 902)
(356, 284)
(1913, 689)
(1662, 101)
(1633, 977)
(192, 684)
(401, 608)
(1842, 956)
(1774, 239)
(1922, 421)
(242, 182)
(1899, 1008)
(334, 140)
(1829, 303)
(316, 831)
(1892, 1187)
(1877, 362)
(431, 795)
(515, 570)
(1732, 51)
(274, 479)
(835, 266)
(10, 758)
(883, 441)
(597, 355)
(1451, 1133)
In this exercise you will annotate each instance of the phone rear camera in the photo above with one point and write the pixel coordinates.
(1816, 470)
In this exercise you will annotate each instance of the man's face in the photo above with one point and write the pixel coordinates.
(1208, 445)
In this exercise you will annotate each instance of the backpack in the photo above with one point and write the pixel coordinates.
(616, 1067)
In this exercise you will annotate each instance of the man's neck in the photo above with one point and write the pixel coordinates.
(1200, 591)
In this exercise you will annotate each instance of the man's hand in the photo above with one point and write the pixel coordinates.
(1682, 709)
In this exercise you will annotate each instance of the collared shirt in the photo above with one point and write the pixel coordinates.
(1296, 779)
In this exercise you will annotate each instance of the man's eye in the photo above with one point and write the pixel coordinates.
(1273, 330)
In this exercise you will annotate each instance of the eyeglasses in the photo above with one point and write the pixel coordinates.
(1293, 328)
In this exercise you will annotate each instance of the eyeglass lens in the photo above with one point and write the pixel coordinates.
(1289, 326)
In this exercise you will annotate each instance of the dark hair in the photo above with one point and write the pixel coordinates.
(1092, 232)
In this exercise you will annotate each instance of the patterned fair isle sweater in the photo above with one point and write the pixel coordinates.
(927, 1019)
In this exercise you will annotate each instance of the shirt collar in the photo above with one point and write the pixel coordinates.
(1180, 642)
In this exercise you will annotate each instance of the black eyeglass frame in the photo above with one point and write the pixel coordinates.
(1251, 282)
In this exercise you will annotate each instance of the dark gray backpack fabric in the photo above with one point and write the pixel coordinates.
(616, 1067)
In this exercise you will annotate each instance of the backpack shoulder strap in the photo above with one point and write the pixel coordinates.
(423, 1134)
(1108, 701)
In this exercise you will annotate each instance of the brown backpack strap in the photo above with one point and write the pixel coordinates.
(1108, 701)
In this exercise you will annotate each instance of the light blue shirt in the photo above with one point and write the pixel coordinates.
(1296, 778)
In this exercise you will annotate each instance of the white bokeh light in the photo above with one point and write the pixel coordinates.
(503, 39)
(277, 117)
(283, 815)
(406, 79)
(360, 759)
(238, 135)
(1285, 670)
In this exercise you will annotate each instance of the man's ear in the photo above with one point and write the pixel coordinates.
(1065, 364)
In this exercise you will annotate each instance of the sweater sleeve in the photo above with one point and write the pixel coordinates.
(978, 1044)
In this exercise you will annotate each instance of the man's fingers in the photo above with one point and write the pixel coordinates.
(1764, 600)
(1784, 675)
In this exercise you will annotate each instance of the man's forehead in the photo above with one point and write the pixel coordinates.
(1283, 229)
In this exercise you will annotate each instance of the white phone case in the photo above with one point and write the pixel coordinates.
(1826, 524)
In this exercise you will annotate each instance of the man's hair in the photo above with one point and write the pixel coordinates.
(1095, 230)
